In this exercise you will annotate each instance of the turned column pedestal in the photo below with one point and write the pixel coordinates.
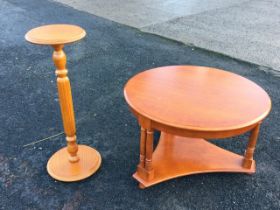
(74, 162)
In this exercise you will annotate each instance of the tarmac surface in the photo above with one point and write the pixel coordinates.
(99, 67)
(244, 29)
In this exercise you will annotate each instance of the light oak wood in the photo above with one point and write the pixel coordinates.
(55, 34)
(73, 162)
(177, 156)
(60, 168)
(149, 154)
(66, 104)
(143, 147)
(194, 102)
(178, 96)
(248, 157)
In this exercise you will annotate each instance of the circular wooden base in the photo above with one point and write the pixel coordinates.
(60, 168)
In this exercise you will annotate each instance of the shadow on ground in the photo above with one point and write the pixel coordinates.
(99, 67)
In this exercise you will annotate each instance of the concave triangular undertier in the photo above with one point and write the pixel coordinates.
(177, 156)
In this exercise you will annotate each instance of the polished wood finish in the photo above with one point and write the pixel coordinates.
(66, 104)
(149, 154)
(194, 102)
(248, 157)
(73, 162)
(61, 168)
(55, 34)
(143, 147)
(177, 156)
(178, 96)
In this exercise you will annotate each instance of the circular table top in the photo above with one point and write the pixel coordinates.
(197, 98)
(55, 34)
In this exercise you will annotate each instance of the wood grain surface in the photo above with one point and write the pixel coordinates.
(74, 162)
(187, 104)
(197, 98)
(55, 34)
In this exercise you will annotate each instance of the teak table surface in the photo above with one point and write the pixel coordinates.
(187, 103)
(197, 98)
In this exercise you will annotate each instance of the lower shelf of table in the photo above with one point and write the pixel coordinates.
(177, 156)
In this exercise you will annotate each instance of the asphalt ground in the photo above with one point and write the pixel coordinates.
(99, 67)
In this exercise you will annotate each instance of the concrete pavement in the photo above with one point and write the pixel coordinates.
(248, 30)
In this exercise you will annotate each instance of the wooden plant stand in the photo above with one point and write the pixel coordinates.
(189, 104)
(74, 162)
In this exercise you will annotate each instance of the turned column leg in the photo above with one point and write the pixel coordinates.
(145, 168)
(142, 147)
(248, 157)
(141, 165)
(66, 104)
(149, 154)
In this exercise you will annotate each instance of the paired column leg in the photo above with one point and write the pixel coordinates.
(143, 147)
(248, 157)
(149, 150)
(145, 167)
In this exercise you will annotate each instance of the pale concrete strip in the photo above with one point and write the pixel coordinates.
(142, 13)
(246, 30)
(249, 31)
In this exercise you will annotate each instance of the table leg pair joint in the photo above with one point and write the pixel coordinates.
(145, 167)
(249, 153)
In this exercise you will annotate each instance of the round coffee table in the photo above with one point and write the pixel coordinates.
(189, 104)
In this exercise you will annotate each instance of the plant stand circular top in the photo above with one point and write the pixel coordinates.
(55, 34)
(187, 103)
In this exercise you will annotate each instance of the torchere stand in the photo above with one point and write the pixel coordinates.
(74, 162)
